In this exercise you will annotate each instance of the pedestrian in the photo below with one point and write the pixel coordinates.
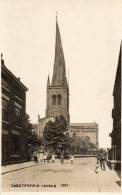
(53, 158)
(40, 157)
(97, 167)
(102, 160)
(62, 158)
(35, 157)
(103, 163)
(45, 156)
(72, 159)
(98, 159)
(48, 157)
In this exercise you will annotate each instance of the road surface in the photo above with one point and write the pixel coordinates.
(80, 176)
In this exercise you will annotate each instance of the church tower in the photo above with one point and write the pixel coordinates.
(58, 90)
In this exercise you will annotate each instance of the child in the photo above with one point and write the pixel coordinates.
(35, 157)
(97, 167)
(72, 159)
(53, 158)
(62, 158)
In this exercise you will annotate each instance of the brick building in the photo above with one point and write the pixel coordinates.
(13, 115)
(115, 152)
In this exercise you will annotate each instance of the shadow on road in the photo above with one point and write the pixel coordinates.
(118, 173)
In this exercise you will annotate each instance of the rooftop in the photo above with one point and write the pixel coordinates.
(17, 80)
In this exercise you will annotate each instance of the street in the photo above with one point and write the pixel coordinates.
(79, 176)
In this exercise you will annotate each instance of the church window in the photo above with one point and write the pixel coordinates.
(54, 99)
(59, 99)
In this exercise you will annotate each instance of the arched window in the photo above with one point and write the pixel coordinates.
(54, 99)
(59, 99)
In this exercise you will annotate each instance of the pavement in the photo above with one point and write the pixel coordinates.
(16, 167)
(77, 177)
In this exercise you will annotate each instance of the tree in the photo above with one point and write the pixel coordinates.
(82, 145)
(55, 133)
(77, 144)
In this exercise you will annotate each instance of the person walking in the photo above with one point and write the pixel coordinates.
(62, 158)
(97, 167)
(48, 157)
(34, 157)
(40, 157)
(53, 158)
(45, 156)
(102, 160)
(37, 157)
(72, 159)
(98, 158)
(103, 163)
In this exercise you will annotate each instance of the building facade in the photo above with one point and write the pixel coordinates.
(13, 115)
(85, 131)
(34, 129)
(42, 123)
(115, 152)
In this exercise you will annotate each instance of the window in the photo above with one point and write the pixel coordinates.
(59, 99)
(17, 114)
(17, 111)
(4, 81)
(4, 110)
(54, 99)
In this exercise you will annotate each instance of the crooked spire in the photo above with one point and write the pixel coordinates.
(59, 72)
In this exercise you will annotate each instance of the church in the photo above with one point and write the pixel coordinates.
(58, 99)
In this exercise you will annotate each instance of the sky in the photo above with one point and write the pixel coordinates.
(91, 32)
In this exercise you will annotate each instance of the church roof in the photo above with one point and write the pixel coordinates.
(86, 125)
(59, 71)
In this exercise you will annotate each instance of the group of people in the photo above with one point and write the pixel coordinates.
(43, 157)
(40, 157)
